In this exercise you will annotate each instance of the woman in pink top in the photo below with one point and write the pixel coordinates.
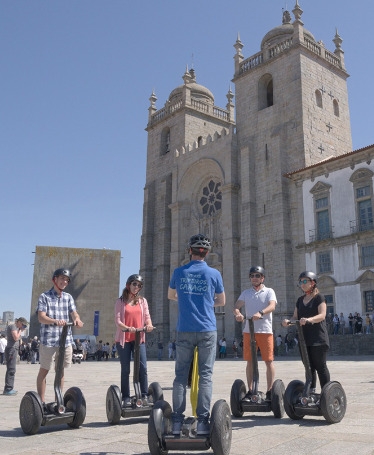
(131, 312)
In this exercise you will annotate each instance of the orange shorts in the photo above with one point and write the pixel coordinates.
(264, 341)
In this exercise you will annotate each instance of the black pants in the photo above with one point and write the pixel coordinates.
(317, 359)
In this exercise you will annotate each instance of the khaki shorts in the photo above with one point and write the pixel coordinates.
(49, 355)
(264, 341)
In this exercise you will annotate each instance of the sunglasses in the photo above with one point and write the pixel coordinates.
(137, 285)
(24, 326)
(255, 275)
(304, 281)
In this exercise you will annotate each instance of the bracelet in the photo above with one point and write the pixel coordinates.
(261, 312)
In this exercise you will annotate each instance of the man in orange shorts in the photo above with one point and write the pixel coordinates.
(259, 302)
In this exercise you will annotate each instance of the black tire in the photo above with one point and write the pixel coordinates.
(292, 394)
(277, 398)
(155, 392)
(74, 401)
(159, 425)
(333, 402)
(220, 428)
(30, 413)
(238, 392)
(79, 360)
(113, 405)
(73, 361)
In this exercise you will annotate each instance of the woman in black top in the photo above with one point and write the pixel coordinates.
(310, 310)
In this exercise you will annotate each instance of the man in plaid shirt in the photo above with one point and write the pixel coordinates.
(54, 309)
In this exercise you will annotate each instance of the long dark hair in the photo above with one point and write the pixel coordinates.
(126, 293)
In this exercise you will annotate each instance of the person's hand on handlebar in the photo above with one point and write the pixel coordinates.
(148, 328)
(285, 322)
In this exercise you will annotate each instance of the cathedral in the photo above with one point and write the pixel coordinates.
(271, 179)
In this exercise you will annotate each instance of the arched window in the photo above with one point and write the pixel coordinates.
(336, 108)
(318, 98)
(165, 141)
(265, 92)
(199, 141)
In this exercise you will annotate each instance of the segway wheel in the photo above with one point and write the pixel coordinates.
(277, 398)
(292, 394)
(238, 392)
(220, 428)
(155, 392)
(113, 405)
(30, 413)
(333, 402)
(159, 424)
(74, 401)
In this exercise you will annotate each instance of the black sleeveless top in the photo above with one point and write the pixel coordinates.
(314, 334)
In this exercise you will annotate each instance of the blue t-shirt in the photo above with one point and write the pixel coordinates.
(195, 284)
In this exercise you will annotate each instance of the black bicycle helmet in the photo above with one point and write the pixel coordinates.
(257, 269)
(135, 277)
(312, 276)
(64, 272)
(199, 241)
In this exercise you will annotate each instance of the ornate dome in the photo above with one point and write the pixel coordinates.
(198, 92)
(282, 32)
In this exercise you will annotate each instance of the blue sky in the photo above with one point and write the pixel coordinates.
(76, 77)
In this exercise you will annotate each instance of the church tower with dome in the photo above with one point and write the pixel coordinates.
(221, 171)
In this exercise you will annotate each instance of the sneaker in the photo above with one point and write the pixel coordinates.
(145, 401)
(126, 402)
(10, 393)
(203, 428)
(247, 396)
(177, 427)
(268, 395)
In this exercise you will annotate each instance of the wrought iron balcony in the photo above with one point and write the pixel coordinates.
(361, 226)
(315, 234)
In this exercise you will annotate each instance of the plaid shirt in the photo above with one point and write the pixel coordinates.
(59, 308)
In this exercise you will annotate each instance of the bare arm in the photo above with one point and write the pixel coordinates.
(76, 319)
(220, 299)
(17, 334)
(238, 315)
(172, 294)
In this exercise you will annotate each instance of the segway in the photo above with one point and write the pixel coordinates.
(299, 401)
(257, 401)
(69, 409)
(115, 408)
(160, 436)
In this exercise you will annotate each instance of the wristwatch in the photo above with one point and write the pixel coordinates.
(261, 312)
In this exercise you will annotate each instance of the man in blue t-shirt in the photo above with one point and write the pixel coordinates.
(197, 288)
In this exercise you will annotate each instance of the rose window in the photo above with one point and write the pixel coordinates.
(211, 200)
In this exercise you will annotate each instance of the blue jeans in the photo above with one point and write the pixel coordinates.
(124, 354)
(206, 343)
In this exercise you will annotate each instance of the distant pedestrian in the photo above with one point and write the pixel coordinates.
(170, 349)
(14, 335)
(342, 323)
(160, 350)
(34, 350)
(3, 343)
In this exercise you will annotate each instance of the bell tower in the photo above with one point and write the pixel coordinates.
(291, 112)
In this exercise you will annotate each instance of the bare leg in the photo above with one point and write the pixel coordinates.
(41, 383)
(270, 373)
(249, 371)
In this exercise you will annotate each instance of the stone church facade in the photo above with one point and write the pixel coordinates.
(249, 176)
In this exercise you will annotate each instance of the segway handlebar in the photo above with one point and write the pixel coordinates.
(68, 323)
(295, 321)
(141, 329)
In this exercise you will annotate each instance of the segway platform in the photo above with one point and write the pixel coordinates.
(69, 409)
